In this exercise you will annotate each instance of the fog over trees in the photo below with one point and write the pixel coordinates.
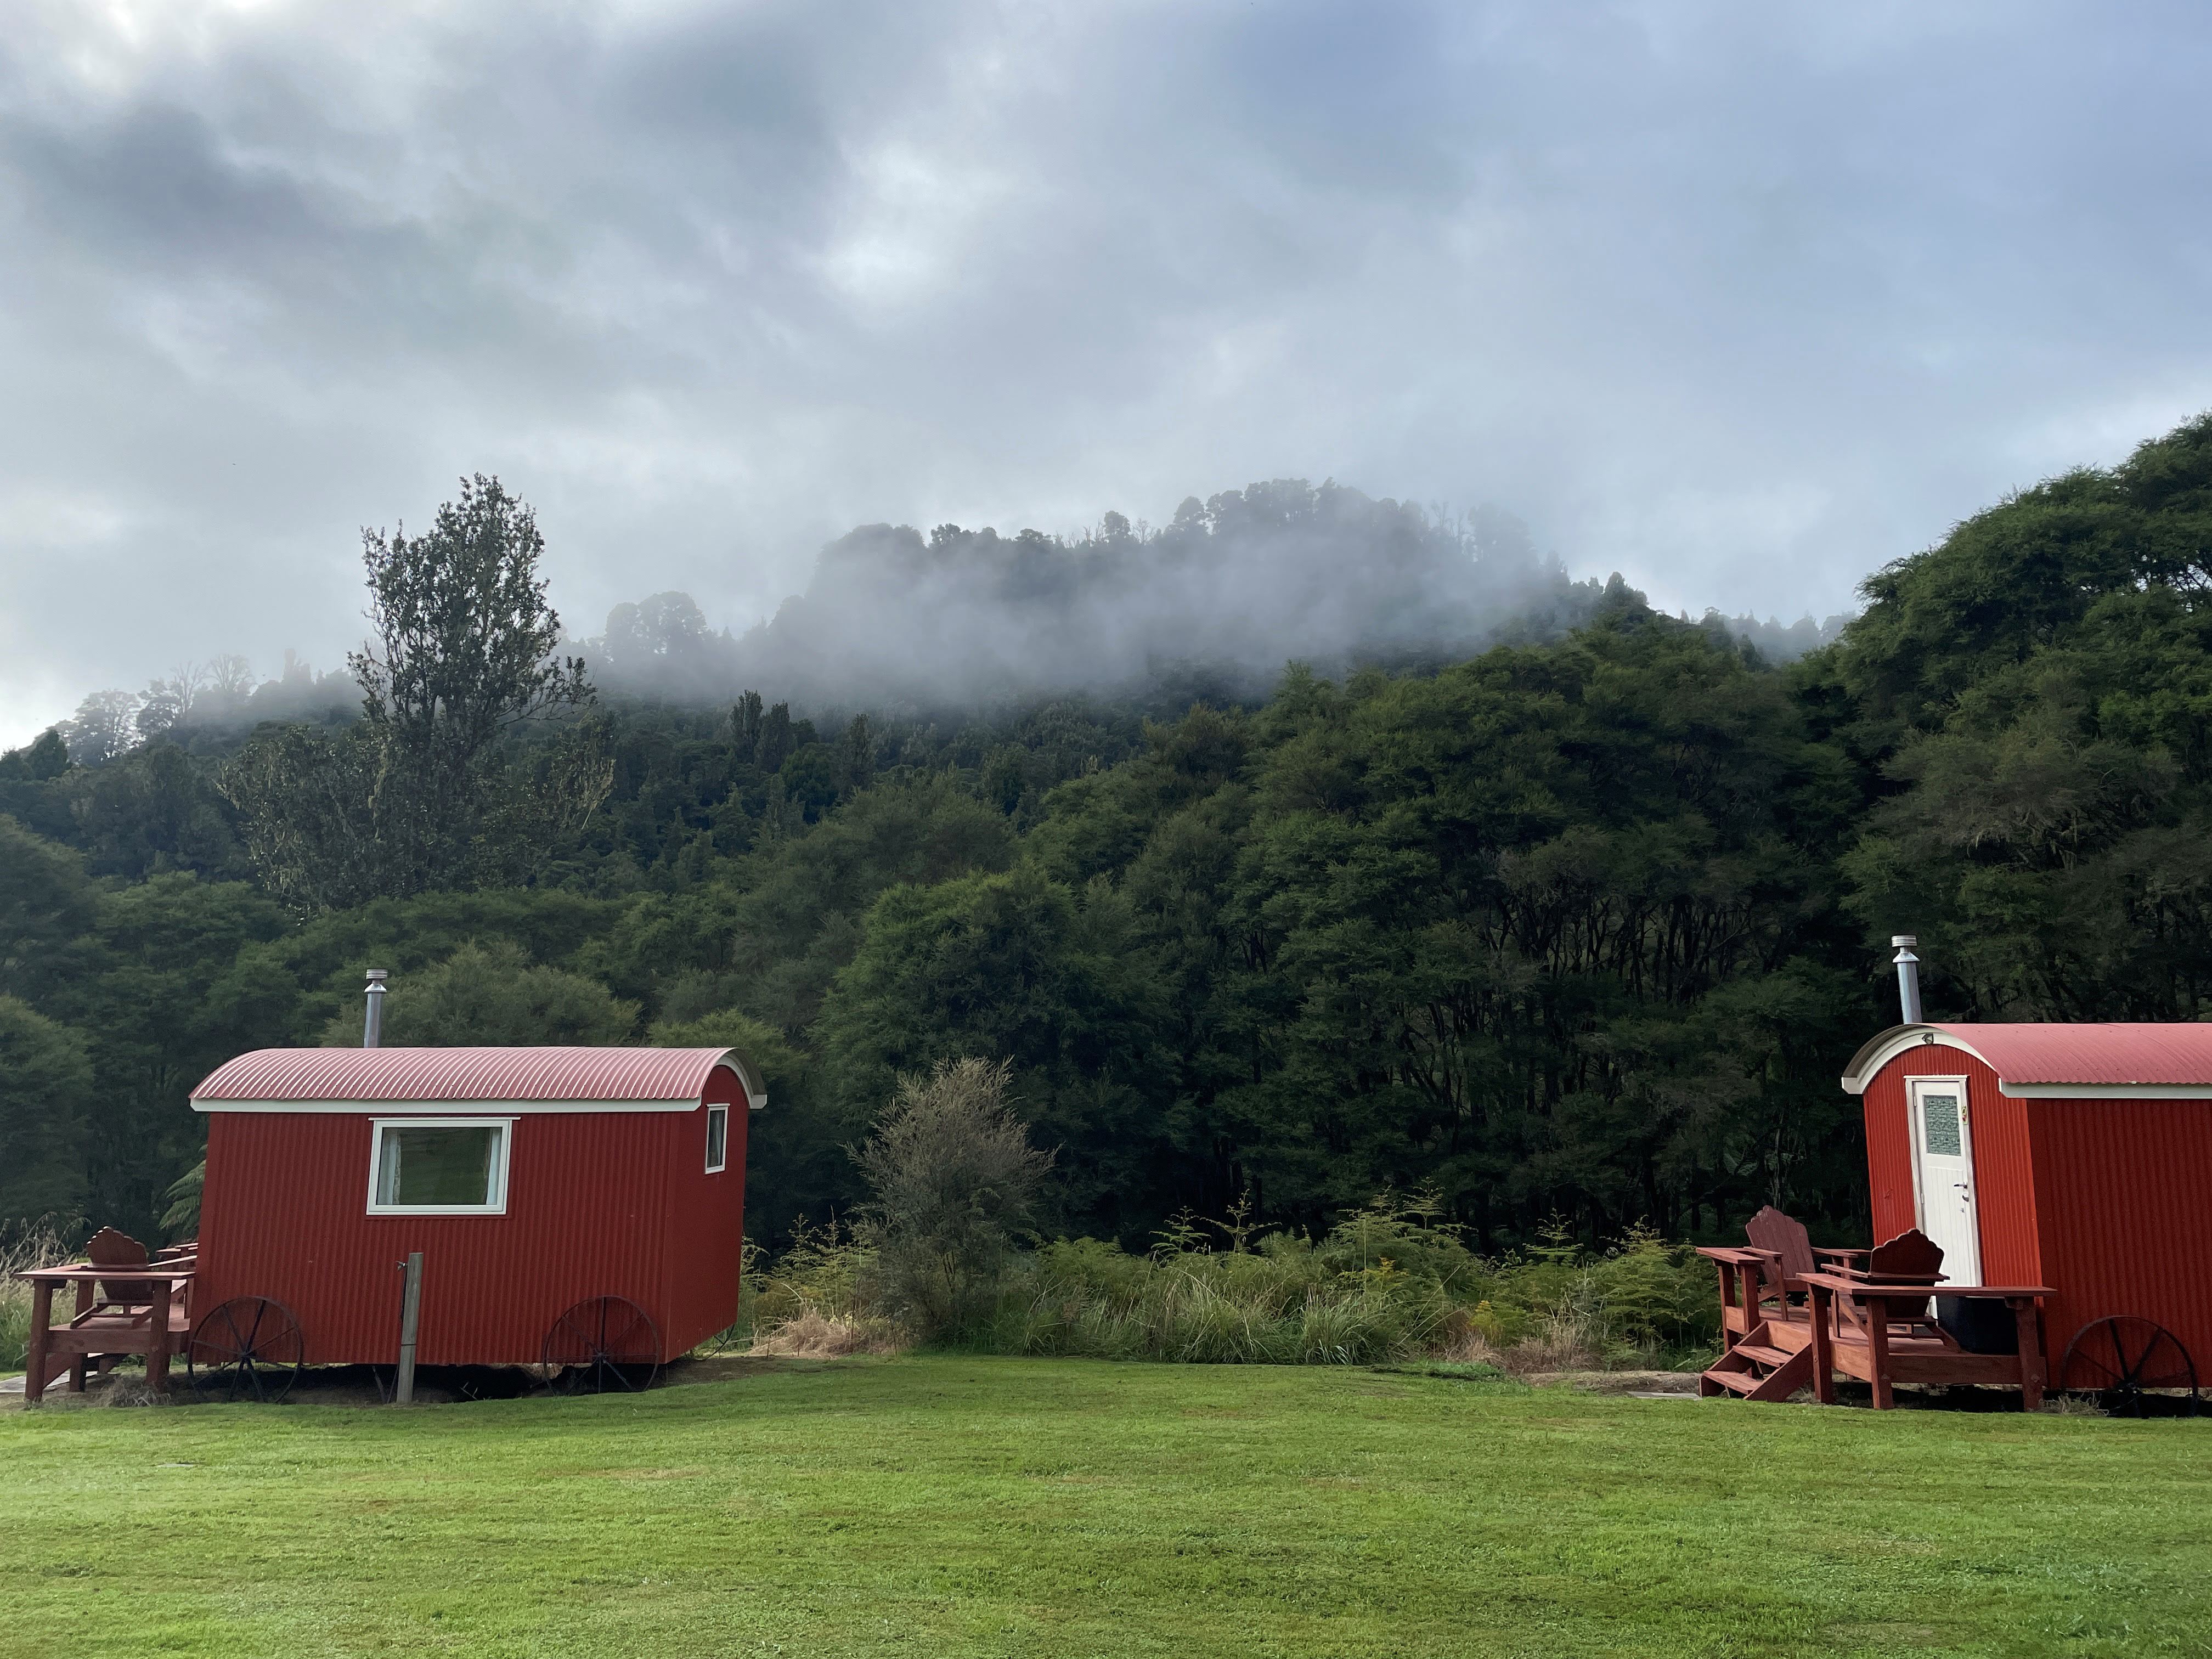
(1234, 586)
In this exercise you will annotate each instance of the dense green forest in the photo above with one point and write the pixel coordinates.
(1583, 925)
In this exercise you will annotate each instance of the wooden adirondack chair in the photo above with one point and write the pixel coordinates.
(1766, 1311)
(1791, 1255)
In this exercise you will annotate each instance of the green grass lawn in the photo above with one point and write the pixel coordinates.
(946, 1506)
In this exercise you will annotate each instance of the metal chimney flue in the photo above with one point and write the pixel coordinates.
(372, 1025)
(1908, 975)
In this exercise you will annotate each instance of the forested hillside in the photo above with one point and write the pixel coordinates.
(1581, 924)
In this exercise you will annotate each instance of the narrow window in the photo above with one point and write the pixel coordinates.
(439, 1166)
(718, 1137)
(1941, 1113)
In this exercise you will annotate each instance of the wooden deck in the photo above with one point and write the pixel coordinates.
(1782, 1334)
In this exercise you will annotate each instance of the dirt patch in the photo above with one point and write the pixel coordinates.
(1668, 1383)
(729, 1368)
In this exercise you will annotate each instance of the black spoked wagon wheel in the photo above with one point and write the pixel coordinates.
(2122, 1359)
(249, 1348)
(606, 1344)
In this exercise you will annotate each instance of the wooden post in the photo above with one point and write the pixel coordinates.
(1877, 1310)
(2029, 1327)
(34, 1362)
(157, 1339)
(83, 1306)
(411, 1311)
(1821, 1309)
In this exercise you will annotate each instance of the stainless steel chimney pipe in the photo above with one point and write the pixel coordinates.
(1908, 975)
(372, 1027)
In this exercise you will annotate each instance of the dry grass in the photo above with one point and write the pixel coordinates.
(1555, 1345)
(810, 1333)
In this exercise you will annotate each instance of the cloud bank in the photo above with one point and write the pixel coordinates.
(1739, 302)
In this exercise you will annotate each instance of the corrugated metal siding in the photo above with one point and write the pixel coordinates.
(706, 1224)
(462, 1074)
(1889, 1153)
(2004, 1191)
(2004, 1184)
(283, 1215)
(2123, 1185)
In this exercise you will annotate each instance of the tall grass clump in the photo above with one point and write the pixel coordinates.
(38, 1245)
(1391, 1281)
(1384, 1284)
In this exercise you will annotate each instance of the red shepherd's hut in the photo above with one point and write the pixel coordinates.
(2076, 1156)
(568, 1204)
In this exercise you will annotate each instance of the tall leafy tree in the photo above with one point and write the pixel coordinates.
(464, 648)
(420, 794)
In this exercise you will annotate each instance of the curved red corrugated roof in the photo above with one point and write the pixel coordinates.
(608, 1077)
(2053, 1059)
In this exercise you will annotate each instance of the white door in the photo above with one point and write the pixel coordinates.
(1943, 1175)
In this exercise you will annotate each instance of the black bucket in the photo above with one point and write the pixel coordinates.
(1978, 1324)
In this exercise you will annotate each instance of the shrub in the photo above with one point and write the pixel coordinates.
(954, 1177)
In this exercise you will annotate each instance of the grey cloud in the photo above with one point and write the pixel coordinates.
(1741, 303)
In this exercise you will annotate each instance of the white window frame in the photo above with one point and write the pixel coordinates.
(713, 1168)
(503, 1151)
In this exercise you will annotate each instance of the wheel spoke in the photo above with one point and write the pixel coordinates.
(604, 1344)
(2123, 1357)
(251, 1347)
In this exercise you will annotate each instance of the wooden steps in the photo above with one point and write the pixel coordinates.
(1757, 1370)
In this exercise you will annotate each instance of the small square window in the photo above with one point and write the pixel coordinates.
(439, 1166)
(718, 1139)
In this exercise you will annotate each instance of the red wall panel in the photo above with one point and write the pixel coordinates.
(706, 1224)
(594, 1201)
(2124, 1187)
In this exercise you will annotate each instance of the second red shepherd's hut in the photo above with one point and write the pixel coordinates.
(2078, 1156)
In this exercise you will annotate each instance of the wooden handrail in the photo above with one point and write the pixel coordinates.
(130, 1273)
(1889, 1287)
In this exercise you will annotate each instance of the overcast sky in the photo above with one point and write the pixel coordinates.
(1741, 300)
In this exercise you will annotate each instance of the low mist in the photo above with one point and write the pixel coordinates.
(1234, 587)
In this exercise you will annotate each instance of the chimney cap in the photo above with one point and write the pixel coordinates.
(378, 975)
(1902, 941)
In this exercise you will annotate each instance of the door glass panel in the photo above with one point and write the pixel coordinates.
(1940, 1115)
